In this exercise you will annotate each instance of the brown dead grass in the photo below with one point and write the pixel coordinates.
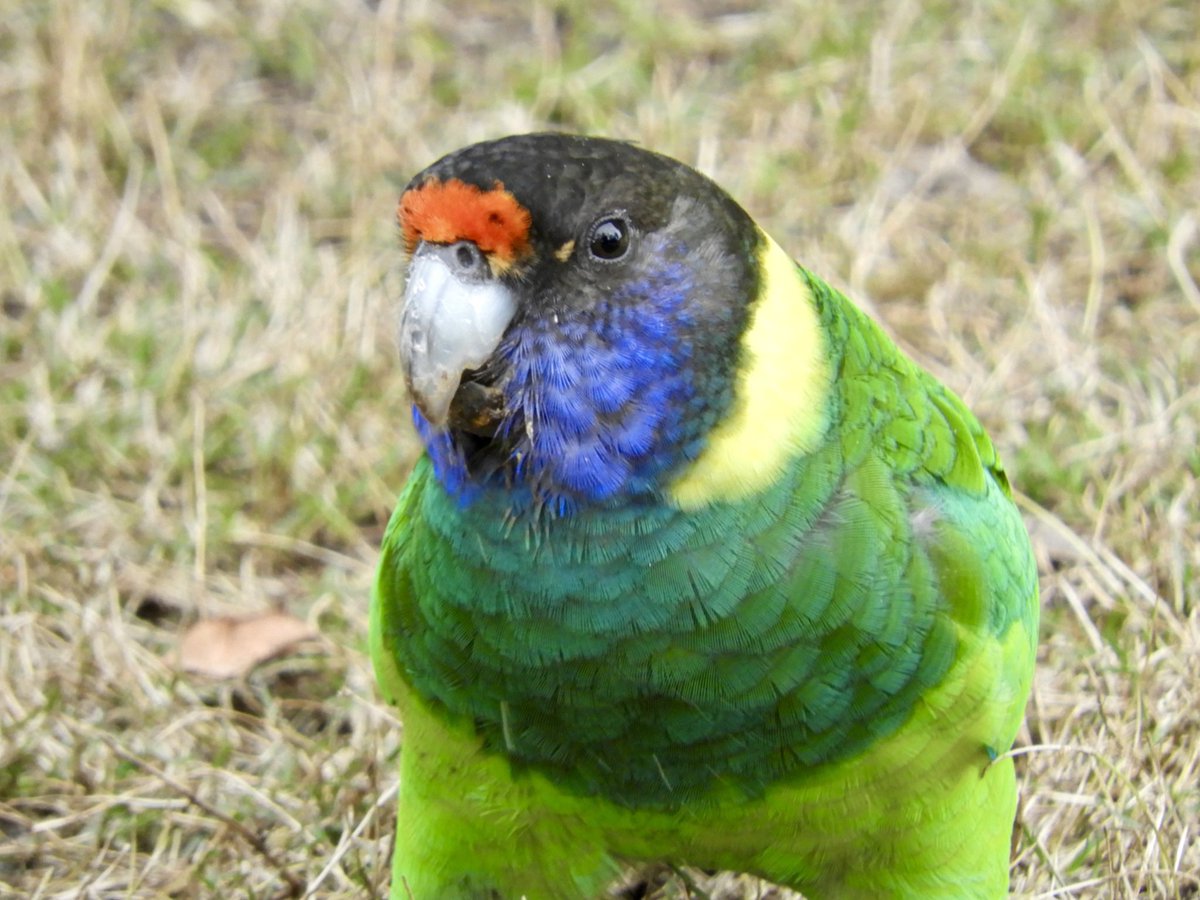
(200, 414)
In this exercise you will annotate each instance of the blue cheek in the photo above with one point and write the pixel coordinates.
(615, 421)
(606, 401)
(608, 390)
(591, 470)
(569, 412)
(552, 364)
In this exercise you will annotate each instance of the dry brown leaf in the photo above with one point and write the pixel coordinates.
(229, 647)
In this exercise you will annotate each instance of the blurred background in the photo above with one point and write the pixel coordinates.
(202, 419)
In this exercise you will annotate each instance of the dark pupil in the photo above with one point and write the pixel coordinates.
(610, 239)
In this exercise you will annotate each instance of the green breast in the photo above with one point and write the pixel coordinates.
(643, 653)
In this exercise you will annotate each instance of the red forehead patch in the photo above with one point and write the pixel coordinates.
(447, 211)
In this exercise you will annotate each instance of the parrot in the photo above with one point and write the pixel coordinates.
(696, 568)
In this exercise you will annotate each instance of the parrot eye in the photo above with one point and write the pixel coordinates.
(609, 239)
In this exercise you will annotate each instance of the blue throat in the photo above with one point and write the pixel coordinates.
(603, 403)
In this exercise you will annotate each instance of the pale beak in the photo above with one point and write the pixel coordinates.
(455, 313)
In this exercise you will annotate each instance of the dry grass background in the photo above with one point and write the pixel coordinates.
(200, 412)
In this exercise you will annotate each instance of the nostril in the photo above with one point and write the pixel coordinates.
(463, 258)
(468, 256)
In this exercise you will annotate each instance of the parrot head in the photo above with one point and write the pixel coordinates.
(572, 318)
